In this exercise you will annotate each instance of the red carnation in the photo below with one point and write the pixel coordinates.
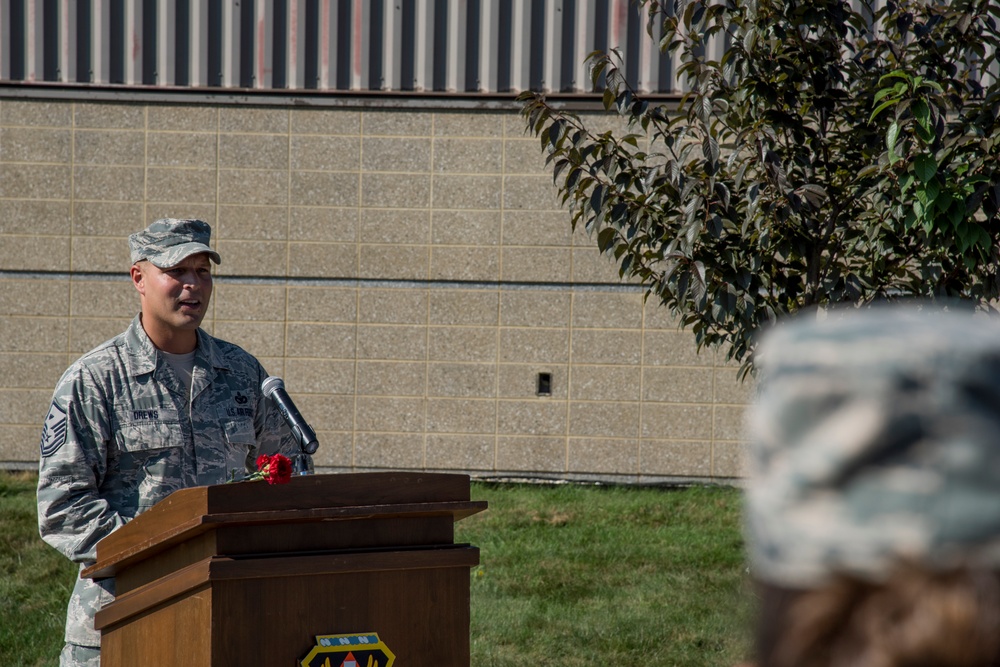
(280, 470)
(276, 469)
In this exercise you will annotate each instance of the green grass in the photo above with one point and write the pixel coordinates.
(35, 580)
(569, 575)
(573, 575)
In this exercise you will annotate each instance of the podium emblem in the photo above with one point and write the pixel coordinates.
(363, 650)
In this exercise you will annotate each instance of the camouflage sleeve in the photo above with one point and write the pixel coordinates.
(72, 515)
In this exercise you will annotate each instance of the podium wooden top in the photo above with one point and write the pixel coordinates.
(188, 512)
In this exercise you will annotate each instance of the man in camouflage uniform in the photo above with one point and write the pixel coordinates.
(161, 407)
(875, 442)
(873, 504)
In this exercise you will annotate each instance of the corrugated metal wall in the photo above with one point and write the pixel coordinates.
(445, 46)
(460, 46)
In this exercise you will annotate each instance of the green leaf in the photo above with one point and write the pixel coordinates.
(606, 238)
(555, 132)
(704, 109)
(922, 114)
(710, 147)
(608, 99)
(814, 194)
(943, 202)
(925, 167)
(882, 93)
(698, 286)
(926, 134)
(932, 190)
(982, 238)
(597, 198)
(965, 238)
(927, 83)
(738, 181)
(722, 192)
(956, 215)
(905, 182)
(895, 74)
(573, 177)
(890, 141)
(879, 109)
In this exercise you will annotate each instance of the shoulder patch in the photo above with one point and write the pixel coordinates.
(53, 431)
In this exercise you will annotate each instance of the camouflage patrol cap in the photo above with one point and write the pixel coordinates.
(876, 441)
(167, 242)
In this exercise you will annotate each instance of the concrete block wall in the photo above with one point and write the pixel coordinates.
(409, 273)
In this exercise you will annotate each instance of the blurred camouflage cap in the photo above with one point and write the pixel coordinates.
(167, 241)
(875, 441)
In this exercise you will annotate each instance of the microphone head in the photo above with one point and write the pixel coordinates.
(271, 384)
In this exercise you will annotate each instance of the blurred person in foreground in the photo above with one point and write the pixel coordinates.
(873, 505)
(160, 407)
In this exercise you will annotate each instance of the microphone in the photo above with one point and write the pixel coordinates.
(274, 387)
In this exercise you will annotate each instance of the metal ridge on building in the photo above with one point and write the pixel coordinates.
(478, 47)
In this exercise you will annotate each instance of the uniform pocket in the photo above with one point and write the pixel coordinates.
(238, 431)
(147, 430)
(150, 462)
(240, 437)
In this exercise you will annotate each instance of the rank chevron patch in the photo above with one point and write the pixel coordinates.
(54, 431)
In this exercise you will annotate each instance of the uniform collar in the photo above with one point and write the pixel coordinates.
(142, 353)
(209, 351)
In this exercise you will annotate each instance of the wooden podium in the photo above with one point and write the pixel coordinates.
(250, 574)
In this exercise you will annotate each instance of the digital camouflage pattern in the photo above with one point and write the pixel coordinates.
(122, 434)
(80, 656)
(876, 439)
(167, 241)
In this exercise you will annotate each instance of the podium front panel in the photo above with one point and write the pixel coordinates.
(244, 617)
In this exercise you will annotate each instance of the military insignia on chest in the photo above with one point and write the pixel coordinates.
(53, 431)
(238, 410)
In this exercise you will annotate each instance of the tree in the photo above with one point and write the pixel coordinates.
(831, 155)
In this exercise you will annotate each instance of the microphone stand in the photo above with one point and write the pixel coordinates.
(302, 463)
